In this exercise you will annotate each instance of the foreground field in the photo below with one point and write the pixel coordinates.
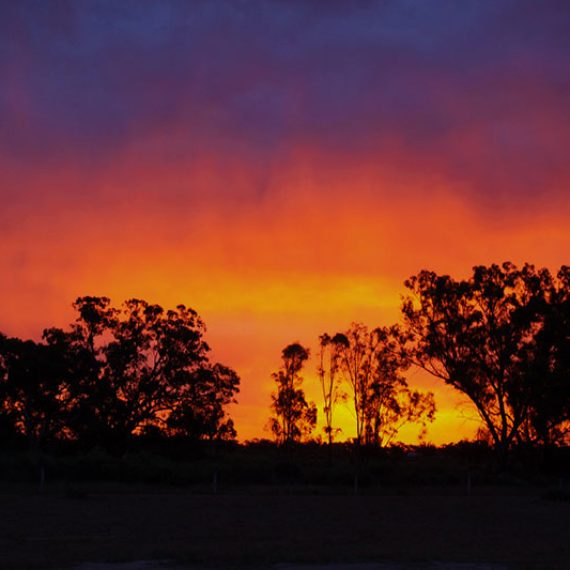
(257, 529)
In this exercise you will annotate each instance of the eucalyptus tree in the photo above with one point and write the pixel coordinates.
(32, 381)
(330, 380)
(294, 418)
(372, 364)
(139, 365)
(546, 365)
(501, 338)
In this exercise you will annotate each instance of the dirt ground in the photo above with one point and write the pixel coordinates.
(259, 530)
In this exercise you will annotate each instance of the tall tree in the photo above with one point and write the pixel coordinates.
(372, 364)
(330, 380)
(294, 418)
(546, 365)
(356, 355)
(135, 366)
(391, 403)
(32, 381)
(487, 337)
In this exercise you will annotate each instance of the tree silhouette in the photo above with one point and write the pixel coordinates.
(294, 417)
(330, 380)
(121, 371)
(31, 387)
(546, 364)
(372, 364)
(154, 356)
(199, 409)
(498, 338)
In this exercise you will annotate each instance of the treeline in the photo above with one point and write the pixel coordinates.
(500, 337)
(114, 373)
(361, 368)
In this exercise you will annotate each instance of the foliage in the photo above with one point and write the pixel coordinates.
(330, 381)
(501, 338)
(117, 372)
(372, 365)
(200, 407)
(32, 381)
(294, 418)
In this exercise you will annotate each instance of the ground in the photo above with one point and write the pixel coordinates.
(261, 528)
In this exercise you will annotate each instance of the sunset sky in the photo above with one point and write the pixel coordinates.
(280, 166)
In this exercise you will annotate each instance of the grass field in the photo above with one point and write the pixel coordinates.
(259, 528)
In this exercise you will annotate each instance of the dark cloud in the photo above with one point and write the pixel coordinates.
(475, 89)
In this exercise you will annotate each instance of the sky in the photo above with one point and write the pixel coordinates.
(280, 166)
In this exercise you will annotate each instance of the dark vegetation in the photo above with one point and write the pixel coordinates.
(314, 467)
(501, 337)
(130, 394)
(115, 374)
